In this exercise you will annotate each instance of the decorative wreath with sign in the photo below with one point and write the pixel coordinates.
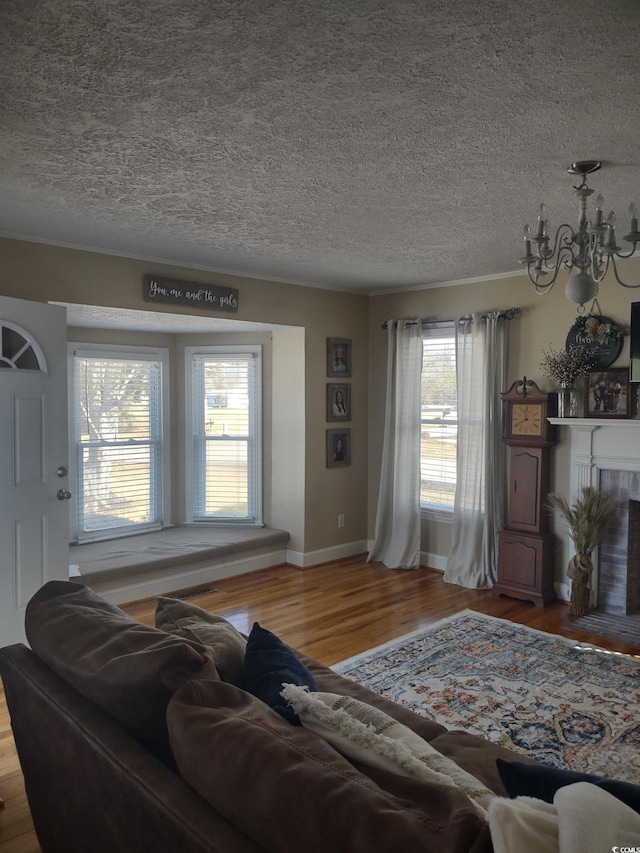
(600, 337)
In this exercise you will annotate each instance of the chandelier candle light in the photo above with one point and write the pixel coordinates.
(590, 250)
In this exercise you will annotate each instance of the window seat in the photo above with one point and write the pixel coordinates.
(173, 556)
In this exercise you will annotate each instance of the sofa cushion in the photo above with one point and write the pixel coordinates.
(290, 790)
(130, 670)
(226, 644)
(369, 736)
(268, 665)
(542, 782)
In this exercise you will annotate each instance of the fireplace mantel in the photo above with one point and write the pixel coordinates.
(597, 443)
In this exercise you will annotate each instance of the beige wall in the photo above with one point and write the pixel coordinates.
(304, 496)
(545, 322)
(48, 273)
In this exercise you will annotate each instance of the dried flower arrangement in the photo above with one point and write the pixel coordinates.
(587, 520)
(564, 366)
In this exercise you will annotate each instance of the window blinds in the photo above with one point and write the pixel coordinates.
(439, 418)
(118, 438)
(226, 436)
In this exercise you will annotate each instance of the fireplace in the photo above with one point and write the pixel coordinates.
(606, 454)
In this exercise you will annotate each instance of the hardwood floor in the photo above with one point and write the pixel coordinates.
(330, 612)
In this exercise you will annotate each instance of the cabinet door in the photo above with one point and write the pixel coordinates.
(528, 486)
(525, 566)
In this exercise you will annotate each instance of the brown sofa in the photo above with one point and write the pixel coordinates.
(101, 773)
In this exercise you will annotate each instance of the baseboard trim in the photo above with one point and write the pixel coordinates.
(429, 561)
(433, 561)
(326, 555)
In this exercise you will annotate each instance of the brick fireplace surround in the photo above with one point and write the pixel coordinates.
(606, 454)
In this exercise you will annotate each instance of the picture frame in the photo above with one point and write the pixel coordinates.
(607, 393)
(339, 402)
(338, 356)
(338, 448)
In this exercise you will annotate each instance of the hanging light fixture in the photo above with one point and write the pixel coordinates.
(590, 250)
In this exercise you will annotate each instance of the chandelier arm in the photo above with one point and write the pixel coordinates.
(556, 247)
(631, 252)
(562, 259)
(618, 279)
(539, 287)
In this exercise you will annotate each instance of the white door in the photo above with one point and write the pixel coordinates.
(34, 525)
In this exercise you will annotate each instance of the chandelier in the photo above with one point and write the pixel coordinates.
(590, 250)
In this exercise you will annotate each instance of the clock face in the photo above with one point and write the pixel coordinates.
(526, 419)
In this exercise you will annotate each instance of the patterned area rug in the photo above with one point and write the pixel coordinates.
(560, 702)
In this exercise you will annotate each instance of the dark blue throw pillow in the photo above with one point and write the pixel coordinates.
(541, 781)
(268, 664)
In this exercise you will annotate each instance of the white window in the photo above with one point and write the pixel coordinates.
(118, 439)
(439, 420)
(224, 422)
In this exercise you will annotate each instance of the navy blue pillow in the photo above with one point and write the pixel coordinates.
(541, 781)
(268, 664)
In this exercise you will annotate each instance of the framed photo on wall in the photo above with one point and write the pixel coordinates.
(339, 402)
(338, 357)
(338, 448)
(607, 394)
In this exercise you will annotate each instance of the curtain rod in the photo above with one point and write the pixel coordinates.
(510, 314)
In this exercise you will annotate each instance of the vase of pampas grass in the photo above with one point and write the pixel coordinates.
(587, 520)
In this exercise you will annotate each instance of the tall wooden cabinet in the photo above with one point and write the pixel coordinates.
(525, 545)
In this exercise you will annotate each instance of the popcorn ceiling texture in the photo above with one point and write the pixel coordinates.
(368, 145)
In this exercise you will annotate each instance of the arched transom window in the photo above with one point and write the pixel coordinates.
(18, 351)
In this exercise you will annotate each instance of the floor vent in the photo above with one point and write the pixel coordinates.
(193, 592)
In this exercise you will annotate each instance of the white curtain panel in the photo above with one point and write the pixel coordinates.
(397, 533)
(478, 513)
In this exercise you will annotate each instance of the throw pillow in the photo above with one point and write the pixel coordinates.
(226, 644)
(289, 790)
(368, 735)
(268, 665)
(130, 670)
(522, 779)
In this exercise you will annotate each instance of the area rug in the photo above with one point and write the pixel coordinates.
(560, 702)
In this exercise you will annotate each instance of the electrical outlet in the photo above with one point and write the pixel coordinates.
(341, 520)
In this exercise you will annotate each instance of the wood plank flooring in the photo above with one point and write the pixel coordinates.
(330, 612)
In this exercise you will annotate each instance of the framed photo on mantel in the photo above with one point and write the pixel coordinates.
(607, 394)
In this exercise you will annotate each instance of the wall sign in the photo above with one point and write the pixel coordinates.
(173, 290)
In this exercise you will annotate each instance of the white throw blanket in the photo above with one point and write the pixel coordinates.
(582, 819)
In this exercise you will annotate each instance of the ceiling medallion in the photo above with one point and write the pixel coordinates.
(590, 250)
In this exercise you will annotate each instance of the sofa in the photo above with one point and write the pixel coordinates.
(178, 738)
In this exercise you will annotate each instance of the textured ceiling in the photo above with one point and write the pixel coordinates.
(364, 145)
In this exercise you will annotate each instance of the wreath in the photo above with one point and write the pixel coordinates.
(599, 329)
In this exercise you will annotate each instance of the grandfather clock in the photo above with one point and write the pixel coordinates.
(525, 555)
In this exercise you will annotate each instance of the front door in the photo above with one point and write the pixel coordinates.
(34, 487)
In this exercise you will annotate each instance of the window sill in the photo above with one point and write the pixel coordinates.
(443, 515)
